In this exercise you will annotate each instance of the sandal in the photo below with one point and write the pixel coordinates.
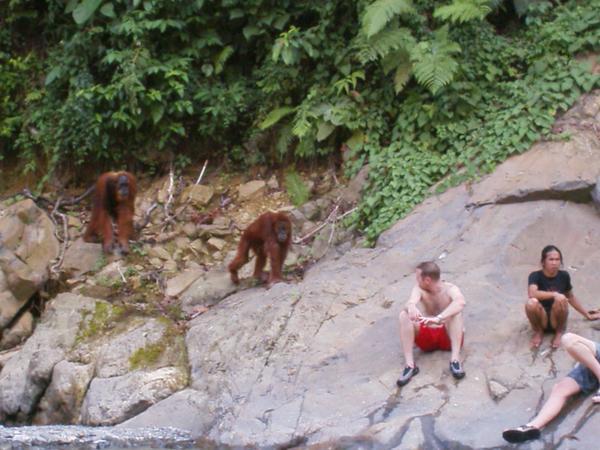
(521, 434)
(596, 397)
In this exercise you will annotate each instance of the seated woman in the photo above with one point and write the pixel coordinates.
(583, 378)
(550, 293)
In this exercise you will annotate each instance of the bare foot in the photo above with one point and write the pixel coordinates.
(536, 340)
(556, 340)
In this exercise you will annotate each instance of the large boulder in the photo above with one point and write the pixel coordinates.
(27, 247)
(28, 232)
(316, 362)
(26, 375)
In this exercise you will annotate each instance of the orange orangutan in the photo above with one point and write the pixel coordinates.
(270, 235)
(114, 199)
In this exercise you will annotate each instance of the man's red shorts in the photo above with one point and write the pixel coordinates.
(433, 338)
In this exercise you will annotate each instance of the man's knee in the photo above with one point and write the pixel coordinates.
(404, 319)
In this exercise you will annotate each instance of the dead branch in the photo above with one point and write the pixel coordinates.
(167, 205)
(202, 172)
(146, 218)
(54, 268)
(332, 218)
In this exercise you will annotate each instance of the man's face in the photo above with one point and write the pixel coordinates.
(423, 281)
(552, 262)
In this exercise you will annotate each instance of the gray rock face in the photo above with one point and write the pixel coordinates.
(63, 397)
(112, 400)
(28, 232)
(26, 375)
(208, 289)
(316, 362)
(81, 257)
(27, 245)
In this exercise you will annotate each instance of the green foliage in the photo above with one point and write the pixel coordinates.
(379, 13)
(296, 189)
(506, 96)
(428, 93)
(433, 62)
(463, 10)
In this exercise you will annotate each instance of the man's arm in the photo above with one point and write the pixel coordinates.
(456, 305)
(411, 304)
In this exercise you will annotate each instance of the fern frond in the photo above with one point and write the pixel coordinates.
(383, 43)
(403, 73)
(275, 116)
(433, 64)
(463, 11)
(400, 62)
(378, 14)
(302, 123)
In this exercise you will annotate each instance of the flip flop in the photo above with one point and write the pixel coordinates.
(521, 434)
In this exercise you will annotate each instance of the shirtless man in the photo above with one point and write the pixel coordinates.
(550, 293)
(432, 319)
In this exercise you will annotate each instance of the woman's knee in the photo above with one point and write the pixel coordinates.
(568, 340)
(565, 388)
(562, 303)
(533, 304)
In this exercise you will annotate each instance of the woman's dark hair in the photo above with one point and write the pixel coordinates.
(550, 248)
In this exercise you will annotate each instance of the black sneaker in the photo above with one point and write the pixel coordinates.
(521, 434)
(457, 370)
(407, 374)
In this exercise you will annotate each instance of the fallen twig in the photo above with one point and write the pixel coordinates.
(54, 268)
(167, 205)
(121, 272)
(202, 172)
(332, 218)
(146, 218)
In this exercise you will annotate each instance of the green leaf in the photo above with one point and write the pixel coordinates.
(108, 9)
(236, 13)
(324, 130)
(463, 11)
(85, 10)
(71, 6)
(356, 141)
(53, 75)
(378, 14)
(222, 58)
(207, 69)
(251, 30)
(403, 73)
(157, 112)
(275, 116)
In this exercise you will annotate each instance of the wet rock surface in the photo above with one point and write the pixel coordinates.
(57, 436)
